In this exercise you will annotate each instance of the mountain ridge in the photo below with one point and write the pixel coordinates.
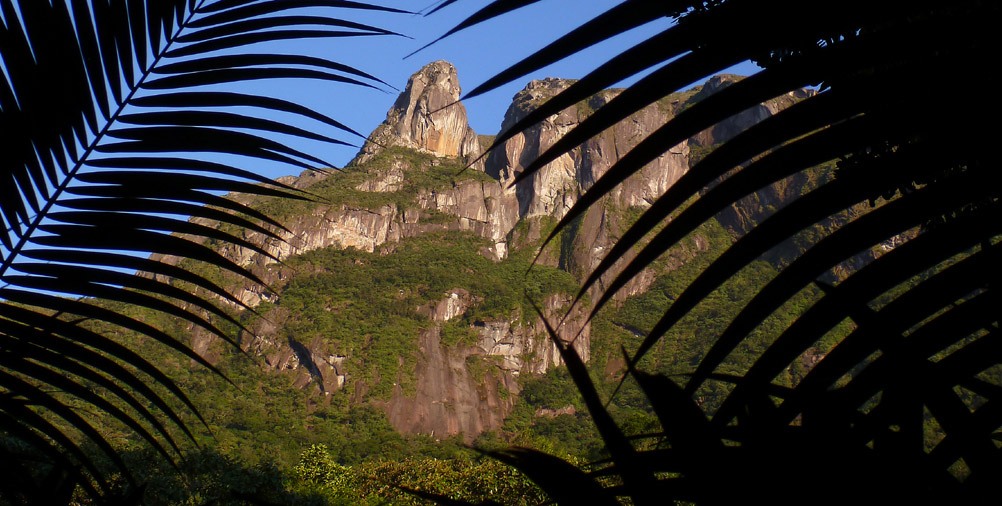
(409, 184)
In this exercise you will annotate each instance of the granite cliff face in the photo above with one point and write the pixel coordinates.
(554, 189)
(470, 388)
(407, 183)
(428, 117)
(725, 130)
(551, 191)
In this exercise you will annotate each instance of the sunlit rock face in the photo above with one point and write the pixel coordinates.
(428, 117)
(553, 189)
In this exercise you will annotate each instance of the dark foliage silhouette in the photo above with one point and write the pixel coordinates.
(903, 407)
(120, 123)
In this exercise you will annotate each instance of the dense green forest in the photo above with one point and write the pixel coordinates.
(269, 439)
(265, 438)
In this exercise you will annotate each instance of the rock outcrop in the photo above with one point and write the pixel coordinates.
(469, 388)
(725, 130)
(555, 188)
(551, 191)
(451, 397)
(427, 117)
(525, 347)
(310, 363)
(483, 207)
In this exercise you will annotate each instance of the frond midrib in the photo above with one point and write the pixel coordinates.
(53, 199)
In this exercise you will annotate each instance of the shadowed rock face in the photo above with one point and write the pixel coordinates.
(428, 117)
(469, 388)
(725, 130)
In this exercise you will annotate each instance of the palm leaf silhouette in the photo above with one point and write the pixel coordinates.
(119, 126)
(923, 346)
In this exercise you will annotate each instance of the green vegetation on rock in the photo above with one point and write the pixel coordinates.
(366, 306)
(421, 172)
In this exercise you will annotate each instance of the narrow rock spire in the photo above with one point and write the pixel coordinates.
(428, 117)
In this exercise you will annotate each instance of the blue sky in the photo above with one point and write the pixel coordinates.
(477, 53)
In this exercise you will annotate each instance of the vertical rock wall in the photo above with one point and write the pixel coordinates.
(428, 117)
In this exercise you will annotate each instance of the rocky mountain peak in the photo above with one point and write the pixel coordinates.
(428, 117)
(715, 84)
(535, 93)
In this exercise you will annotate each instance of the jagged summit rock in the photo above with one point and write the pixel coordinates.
(744, 120)
(553, 189)
(428, 117)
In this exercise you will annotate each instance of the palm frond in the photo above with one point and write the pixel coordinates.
(924, 315)
(118, 128)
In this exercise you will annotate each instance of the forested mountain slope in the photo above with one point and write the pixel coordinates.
(402, 285)
(398, 315)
